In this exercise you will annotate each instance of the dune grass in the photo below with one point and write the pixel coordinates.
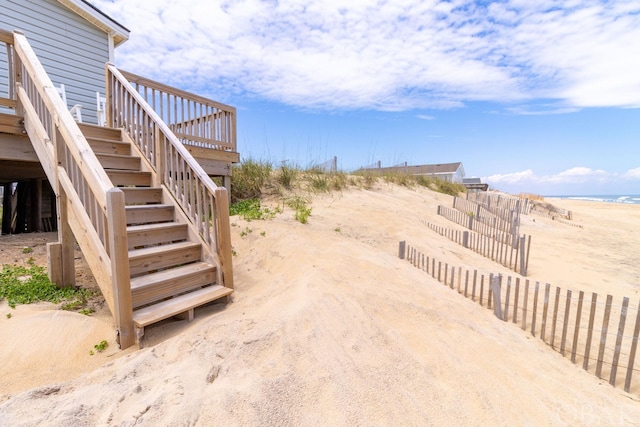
(254, 179)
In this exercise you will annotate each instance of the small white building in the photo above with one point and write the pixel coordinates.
(450, 172)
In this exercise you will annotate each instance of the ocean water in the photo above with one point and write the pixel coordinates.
(631, 199)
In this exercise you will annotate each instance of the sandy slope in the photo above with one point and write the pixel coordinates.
(328, 327)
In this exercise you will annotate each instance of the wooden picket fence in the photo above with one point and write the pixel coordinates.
(494, 227)
(497, 247)
(498, 218)
(576, 326)
(501, 201)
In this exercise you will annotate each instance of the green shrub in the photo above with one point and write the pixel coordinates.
(299, 204)
(251, 209)
(24, 285)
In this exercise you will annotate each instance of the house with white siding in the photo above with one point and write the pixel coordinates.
(73, 41)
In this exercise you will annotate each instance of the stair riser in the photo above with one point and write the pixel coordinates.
(101, 132)
(122, 163)
(151, 237)
(110, 147)
(171, 287)
(129, 178)
(142, 265)
(141, 196)
(147, 216)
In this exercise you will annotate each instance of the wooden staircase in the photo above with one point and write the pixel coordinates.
(170, 269)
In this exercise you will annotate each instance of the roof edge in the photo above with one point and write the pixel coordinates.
(98, 18)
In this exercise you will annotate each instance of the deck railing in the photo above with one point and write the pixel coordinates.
(8, 97)
(195, 120)
(200, 199)
(90, 206)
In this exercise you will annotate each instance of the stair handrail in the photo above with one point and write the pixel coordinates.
(197, 195)
(90, 206)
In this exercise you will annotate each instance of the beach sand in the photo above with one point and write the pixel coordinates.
(327, 326)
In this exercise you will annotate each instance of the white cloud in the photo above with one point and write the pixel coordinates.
(512, 178)
(389, 55)
(576, 175)
(632, 174)
(425, 117)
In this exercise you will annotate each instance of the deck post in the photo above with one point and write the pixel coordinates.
(7, 212)
(223, 235)
(120, 273)
(60, 255)
(226, 183)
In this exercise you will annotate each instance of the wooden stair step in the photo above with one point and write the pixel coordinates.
(138, 178)
(108, 146)
(154, 287)
(156, 257)
(119, 161)
(145, 214)
(174, 306)
(100, 132)
(153, 234)
(142, 195)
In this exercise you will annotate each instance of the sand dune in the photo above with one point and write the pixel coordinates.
(329, 327)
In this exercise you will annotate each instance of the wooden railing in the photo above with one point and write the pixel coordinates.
(90, 206)
(200, 199)
(8, 99)
(195, 120)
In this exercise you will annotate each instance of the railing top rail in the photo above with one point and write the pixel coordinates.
(179, 147)
(91, 168)
(134, 78)
(6, 36)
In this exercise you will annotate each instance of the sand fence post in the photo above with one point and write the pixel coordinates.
(495, 290)
(473, 287)
(592, 316)
(524, 305)
(446, 273)
(515, 300)
(402, 249)
(603, 335)
(616, 352)
(632, 353)
(565, 322)
(576, 331)
(466, 283)
(545, 310)
(506, 302)
(555, 317)
(524, 256)
(535, 309)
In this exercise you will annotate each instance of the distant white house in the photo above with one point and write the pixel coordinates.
(475, 184)
(450, 172)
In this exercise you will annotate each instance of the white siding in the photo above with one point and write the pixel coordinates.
(72, 50)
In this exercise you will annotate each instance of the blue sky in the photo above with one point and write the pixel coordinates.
(533, 96)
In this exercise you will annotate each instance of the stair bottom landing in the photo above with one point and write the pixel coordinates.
(181, 304)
